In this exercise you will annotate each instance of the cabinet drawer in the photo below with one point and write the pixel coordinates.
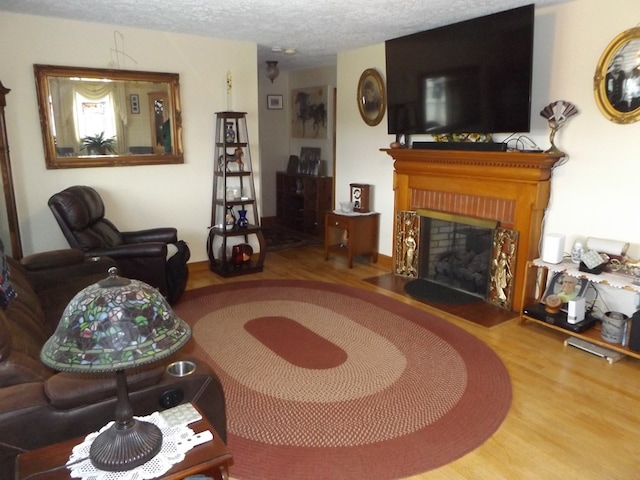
(336, 221)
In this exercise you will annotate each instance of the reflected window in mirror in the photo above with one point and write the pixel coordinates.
(99, 117)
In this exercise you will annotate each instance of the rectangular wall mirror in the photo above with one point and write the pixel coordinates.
(93, 117)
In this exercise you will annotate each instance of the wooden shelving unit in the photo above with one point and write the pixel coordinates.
(534, 286)
(302, 201)
(233, 191)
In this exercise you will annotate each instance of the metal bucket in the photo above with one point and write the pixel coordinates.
(614, 325)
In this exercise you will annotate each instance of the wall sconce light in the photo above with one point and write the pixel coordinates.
(272, 70)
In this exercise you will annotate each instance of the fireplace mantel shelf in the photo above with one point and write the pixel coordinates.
(510, 187)
(523, 166)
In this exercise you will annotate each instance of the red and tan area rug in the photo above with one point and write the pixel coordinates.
(324, 381)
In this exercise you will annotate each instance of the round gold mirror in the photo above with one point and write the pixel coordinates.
(616, 82)
(371, 97)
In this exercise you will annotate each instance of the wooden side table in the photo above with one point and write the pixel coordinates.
(351, 235)
(211, 458)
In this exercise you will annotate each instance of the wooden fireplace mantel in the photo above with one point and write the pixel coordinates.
(519, 183)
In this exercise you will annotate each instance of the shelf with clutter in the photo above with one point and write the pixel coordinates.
(567, 295)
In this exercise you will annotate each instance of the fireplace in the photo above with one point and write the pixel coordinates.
(456, 251)
(510, 188)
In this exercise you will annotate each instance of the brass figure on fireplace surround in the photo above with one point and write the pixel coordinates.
(505, 244)
(406, 247)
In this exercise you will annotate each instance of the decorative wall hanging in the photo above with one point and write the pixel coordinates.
(274, 102)
(309, 112)
(616, 82)
(557, 113)
(371, 97)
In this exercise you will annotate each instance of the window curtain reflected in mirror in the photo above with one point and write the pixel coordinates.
(88, 108)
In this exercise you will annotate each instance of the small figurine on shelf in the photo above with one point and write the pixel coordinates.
(229, 218)
(230, 134)
(224, 160)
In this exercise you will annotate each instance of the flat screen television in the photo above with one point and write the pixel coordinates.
(469, 77)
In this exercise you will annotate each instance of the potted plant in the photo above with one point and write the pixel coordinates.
(98, 144)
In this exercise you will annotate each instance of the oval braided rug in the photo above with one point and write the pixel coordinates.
(327, 381)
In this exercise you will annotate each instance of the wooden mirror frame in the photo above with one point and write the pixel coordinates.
(629, 111)
(11, 223)
(45, 73)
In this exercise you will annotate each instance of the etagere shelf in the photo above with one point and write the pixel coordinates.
(228, 244)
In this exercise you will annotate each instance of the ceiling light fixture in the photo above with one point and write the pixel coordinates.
(272, 71)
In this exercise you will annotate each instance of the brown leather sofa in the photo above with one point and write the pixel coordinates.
(142, 254)
(39, 406)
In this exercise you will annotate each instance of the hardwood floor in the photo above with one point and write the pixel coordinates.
(573, 415)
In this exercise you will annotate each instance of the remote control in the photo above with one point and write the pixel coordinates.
(198, 439)
(181, 415)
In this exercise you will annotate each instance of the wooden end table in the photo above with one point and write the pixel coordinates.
(211, 458)
(351, 235)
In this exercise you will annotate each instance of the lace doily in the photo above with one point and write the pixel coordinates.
(169, 455)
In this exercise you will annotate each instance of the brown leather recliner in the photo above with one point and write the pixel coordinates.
(39, 406)
(141, 255)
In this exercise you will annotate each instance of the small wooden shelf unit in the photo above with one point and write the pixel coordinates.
(534, 286)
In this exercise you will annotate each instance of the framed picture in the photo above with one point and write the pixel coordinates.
(309, 112)
(274, 102)
(371, 97)
(292, 166)
(134, 101)
(616, 82)
(309, 161)
(566, 287)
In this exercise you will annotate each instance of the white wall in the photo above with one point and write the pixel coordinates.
(136, 197)
(358, 155)
(276, 142)
(595, 193)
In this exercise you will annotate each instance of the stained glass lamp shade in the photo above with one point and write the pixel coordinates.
(110, 326)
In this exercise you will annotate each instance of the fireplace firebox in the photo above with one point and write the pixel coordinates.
(457, 252)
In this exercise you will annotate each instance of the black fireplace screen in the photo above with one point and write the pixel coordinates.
(456, 255)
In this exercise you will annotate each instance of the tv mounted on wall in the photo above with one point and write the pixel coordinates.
(468, 77)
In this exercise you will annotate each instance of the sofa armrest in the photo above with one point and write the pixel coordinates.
(27, 405)
(66, 391)
(52, 259)
(163, 234)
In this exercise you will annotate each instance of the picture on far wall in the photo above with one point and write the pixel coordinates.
(309, 161)
(309, 112)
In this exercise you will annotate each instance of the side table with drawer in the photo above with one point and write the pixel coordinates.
(351, 234)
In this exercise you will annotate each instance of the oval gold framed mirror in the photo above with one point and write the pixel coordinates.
(617, 79)
(94, 117)
(371, 97)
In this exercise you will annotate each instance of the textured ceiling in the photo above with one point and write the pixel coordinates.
(316, 29)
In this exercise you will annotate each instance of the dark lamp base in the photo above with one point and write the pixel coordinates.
(125, 447)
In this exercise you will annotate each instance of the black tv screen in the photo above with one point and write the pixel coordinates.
(468, 77)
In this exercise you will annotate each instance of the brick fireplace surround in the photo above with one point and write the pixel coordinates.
(510, 187)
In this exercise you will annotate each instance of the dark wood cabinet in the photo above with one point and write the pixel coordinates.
(302, 201)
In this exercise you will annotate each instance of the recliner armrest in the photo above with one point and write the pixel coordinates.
(163, 234)
(135, 250)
